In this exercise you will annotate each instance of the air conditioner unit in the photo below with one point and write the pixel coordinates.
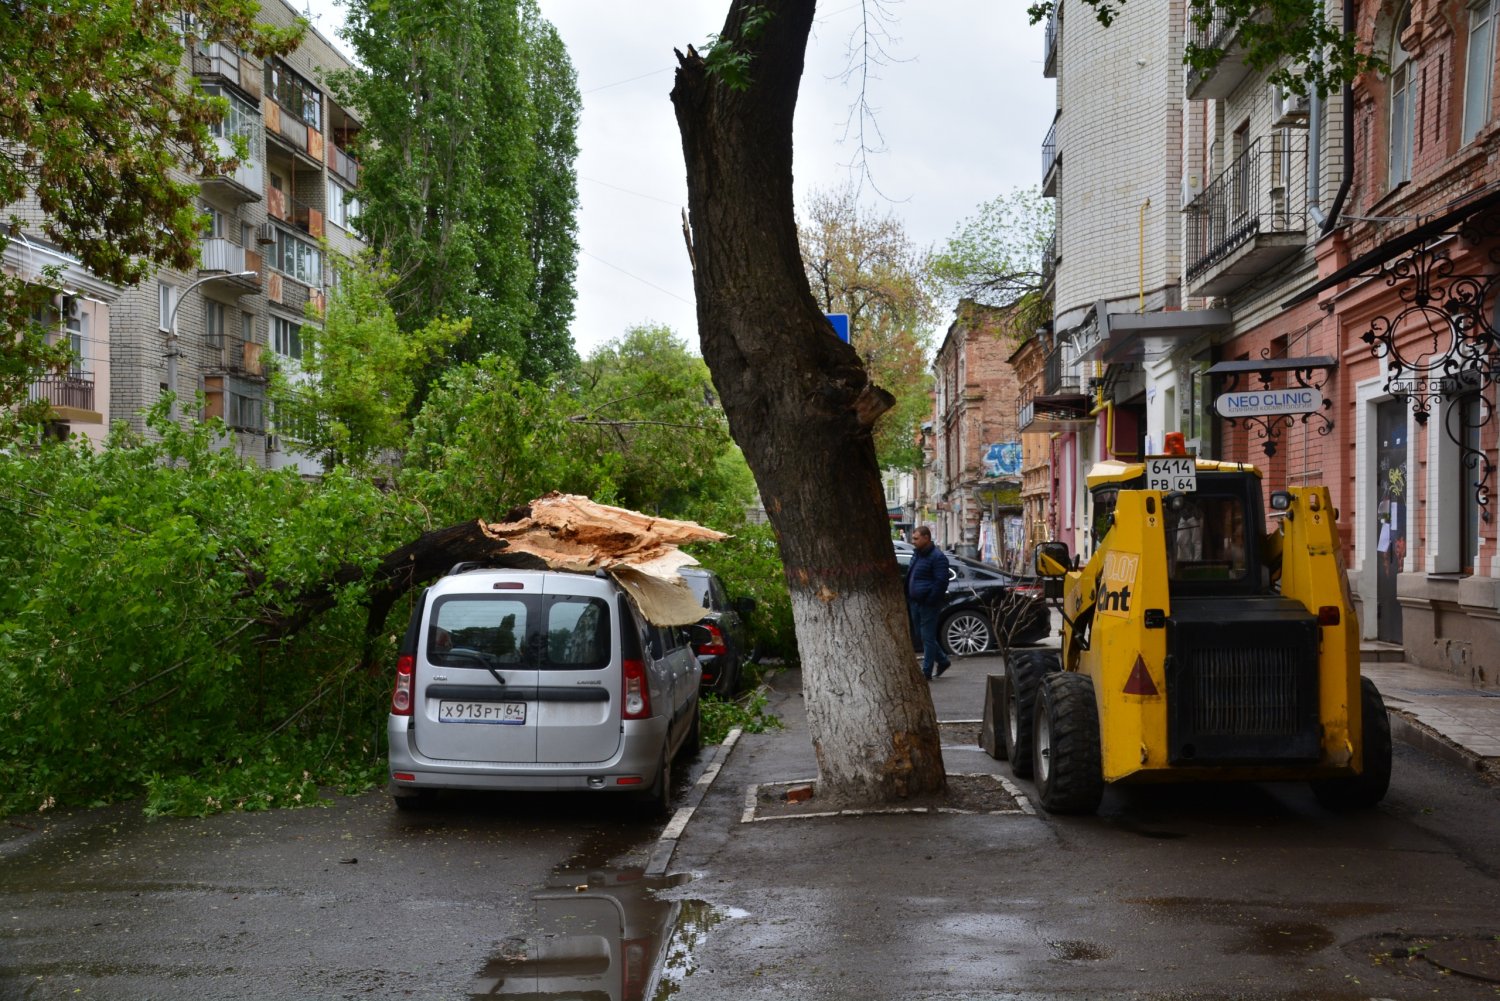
(265, 233)
(1288, 109)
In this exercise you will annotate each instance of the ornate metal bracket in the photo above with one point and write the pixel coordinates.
(1302, 373)
(1442, 342)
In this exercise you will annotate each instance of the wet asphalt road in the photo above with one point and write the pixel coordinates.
(1187, 892)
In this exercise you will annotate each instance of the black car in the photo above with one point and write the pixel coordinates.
(724, 656)
(975, 591)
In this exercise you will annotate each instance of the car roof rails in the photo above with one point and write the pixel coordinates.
(464, 566)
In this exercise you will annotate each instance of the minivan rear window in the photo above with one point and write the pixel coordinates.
(564, 632)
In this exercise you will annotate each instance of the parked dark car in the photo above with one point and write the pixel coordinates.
(723, 657)
(975, 591)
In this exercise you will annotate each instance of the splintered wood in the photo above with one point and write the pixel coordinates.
(569, 532)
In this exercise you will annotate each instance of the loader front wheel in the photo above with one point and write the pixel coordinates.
(1359, 792)
(1066, 757)
(1023, 671)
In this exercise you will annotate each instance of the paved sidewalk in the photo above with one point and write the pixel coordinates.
(1440, 713)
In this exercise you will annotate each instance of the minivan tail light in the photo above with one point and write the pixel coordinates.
(715, 646)
(1328, 615)
(401, 697)
(637, 697)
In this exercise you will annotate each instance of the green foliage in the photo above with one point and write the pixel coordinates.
(467, 181)
(141, 589)
(749, 563)
(1296, 40)
(864, 264)
(91, 122)
(995, 257)
(488, 440)
(748, 712)
(650, 423)
(360, 371)
(727, 58)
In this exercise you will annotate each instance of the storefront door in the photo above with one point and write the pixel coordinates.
(1389, 544)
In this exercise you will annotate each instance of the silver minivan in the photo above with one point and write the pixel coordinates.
(538, 680)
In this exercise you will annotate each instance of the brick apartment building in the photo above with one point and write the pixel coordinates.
(975, 493)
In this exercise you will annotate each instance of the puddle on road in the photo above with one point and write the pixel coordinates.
(602, 934)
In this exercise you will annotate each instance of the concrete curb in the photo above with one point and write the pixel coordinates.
(666, 842)
(1413, 732)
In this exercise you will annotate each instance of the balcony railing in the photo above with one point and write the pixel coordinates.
(1232, 69)
(343, 165)
(1049, 261)
(75, 390)
(1049, 161)
(292, 130)
(248, 177)
(1260, 199)
(1059, 377)
(1049, 47)
(280, 205)
(216, 59)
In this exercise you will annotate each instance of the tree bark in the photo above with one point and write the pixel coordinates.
(801, 406)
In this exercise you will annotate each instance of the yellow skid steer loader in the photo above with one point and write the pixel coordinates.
(1197, 645)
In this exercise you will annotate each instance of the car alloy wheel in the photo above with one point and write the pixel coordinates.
(966, 633)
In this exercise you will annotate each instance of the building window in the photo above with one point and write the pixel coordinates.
(75, 328)
(242, 118)
(342, 205)
(244, 406)
(286, 337)
(1480, 72)
(215, 225)
(247, 327)
(1403, 82)
(213, 323)
(298, 258)
(166, 299)
(294, 94)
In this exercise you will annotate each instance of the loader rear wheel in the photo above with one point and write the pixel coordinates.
(1359, 792)
(1066, 756)
(1023, 670)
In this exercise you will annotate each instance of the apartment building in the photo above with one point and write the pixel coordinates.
(270, 227)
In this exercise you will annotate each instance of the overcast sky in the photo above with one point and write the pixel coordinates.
(961, 106)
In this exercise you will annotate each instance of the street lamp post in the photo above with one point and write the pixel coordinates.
(173, 353)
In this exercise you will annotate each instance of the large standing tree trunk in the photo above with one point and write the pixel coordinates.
(802, 407)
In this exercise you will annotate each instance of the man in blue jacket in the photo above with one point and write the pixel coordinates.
(926, 586)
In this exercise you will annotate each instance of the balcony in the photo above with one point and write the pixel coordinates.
(1050, 165)
(342, 165)
(1232, 69)
(242, 184)
(280, 205)
(219, 255)
(215, 61)
(290, 131)
(1252, 217)
(71, 396)
(1049, 47)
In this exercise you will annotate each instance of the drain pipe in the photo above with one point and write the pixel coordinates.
(1343, 192)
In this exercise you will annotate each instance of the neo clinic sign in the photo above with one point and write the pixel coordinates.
(1269, 402)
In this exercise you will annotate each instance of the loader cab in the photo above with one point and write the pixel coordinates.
(1214, 533)
(1214, 537)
